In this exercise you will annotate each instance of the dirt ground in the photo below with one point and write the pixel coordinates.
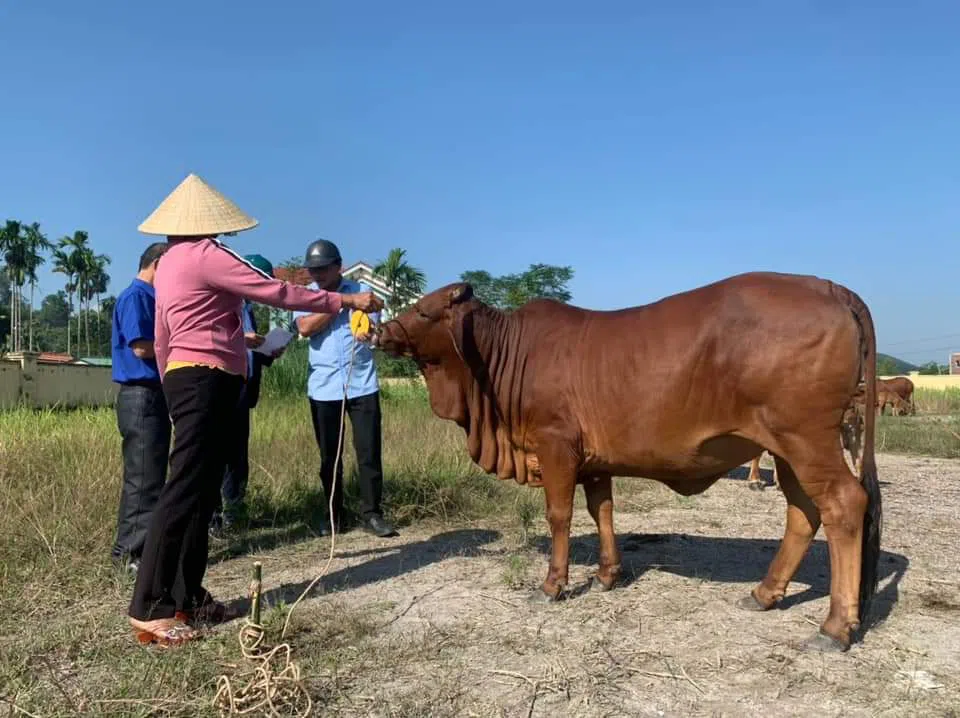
(437, 623)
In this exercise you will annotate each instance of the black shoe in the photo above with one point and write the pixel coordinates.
(376, 524)
(126, 564)
(324, 528)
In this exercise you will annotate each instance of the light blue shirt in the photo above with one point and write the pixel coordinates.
(246, 315)
(329, 355)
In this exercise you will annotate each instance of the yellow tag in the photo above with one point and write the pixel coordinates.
(359, 323)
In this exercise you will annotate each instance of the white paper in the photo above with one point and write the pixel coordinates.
(275, 340)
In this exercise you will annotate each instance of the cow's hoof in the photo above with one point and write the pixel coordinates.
(823, 643)
(597, 585)
(755, 485)
(750, 603)
(539, 596)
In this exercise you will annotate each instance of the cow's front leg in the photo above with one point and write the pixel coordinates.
(599, 493)
(559, 484)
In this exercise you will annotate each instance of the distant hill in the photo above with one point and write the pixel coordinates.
(887, 365)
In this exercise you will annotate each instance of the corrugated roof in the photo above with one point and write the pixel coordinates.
(54, 358)
(97, 361)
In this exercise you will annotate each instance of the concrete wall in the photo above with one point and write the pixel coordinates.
(24, 381)
(940, 382)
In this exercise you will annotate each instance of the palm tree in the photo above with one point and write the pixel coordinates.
(13, 245)
(68, 260)
(36, 243)
(79, 249)
(92, 282)
(405, 282)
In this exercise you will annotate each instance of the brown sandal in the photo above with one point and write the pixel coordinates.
(166, 632)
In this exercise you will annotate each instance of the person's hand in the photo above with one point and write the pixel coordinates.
(252, 340)
(363, 337)
(364, 301)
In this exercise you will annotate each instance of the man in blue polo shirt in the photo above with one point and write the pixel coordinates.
(331, 344)
(142, 416)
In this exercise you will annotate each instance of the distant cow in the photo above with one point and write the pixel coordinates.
(898, 405)
(554, 395)
(900, 387)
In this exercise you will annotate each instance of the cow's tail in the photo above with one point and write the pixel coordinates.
(873, 517)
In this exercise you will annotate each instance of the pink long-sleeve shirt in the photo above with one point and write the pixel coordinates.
(200, 286)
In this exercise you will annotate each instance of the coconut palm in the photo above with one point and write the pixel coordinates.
(405, 282)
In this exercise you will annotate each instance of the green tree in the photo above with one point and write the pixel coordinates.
(92, 282)
(36, 245)
(54, 310)
(404, 281)
(4, 309)
(511, 291)
(66, 261)
(933, 368)
(13, 245)
(487, 288)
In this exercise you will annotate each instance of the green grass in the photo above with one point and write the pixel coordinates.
(60, 475)
(921, 435)
(934, 401)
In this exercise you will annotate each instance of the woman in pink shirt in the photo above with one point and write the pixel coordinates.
(201, 354)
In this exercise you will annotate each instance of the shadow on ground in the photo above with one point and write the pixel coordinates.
(391, 560)
(728, 560)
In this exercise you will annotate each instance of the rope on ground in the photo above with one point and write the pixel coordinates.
(267, 689)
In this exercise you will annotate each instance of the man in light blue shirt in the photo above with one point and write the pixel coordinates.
(332, 350)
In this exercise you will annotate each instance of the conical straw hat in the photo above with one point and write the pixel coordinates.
(195, 209)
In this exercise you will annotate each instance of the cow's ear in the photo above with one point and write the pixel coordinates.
(460, 323)
(460, 294)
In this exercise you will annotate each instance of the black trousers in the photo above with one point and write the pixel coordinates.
(364, 414)
(237, 470)
(202, 402)
(144, 426)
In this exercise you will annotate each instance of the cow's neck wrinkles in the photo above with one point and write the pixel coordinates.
(493, 354)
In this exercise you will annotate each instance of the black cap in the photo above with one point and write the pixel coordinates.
(321, 253)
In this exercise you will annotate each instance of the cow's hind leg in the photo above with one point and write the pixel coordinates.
(803, 520)
(559, 485)
(824, 476)
(754, 481)
(599, 493)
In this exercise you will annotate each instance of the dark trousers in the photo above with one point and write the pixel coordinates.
(202, 402)
(237, 471)
(364, 414)
(145, 432)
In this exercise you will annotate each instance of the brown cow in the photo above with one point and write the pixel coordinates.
(898, 406)
(851, 435)
(674, 391)
(899, 387)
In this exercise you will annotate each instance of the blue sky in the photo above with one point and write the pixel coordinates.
(654, 147)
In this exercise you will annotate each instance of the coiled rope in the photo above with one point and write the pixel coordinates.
(267, 689)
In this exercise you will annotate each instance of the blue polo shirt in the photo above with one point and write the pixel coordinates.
(133, 317)
(329, 355)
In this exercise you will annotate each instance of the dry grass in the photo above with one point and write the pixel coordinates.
(936, 401)
(436, 622)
